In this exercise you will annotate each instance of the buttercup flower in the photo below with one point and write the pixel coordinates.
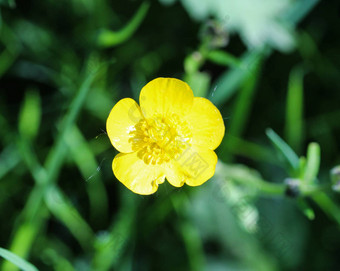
(171, 135)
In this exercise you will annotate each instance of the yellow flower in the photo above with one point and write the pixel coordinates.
(171, 135)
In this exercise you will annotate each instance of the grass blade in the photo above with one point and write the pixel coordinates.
(34, 205)
(88, 166)
(223, 58)
(288, 154)
(294, 111)
(30, 115)
(229, 82)
(15, 259)
(313, 163)
(68, 214)
(108, 38)
(241, 112)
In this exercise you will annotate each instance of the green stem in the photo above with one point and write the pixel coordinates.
(262, 186)
(315, 189)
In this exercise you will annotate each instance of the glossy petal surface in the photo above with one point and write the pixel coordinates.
(139, 177)
(121, 124)
(194, 167)
(165, 96)
(206, 122)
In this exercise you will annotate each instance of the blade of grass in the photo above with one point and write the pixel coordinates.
(56, 157)
(243, 104)
(109, 246)
(108, 38)
(313, 163)
(229, 82)
(19, 262)
(241, 111)
(30, 115)
(57, 154)
(290, 157)
(57, 203)
(88, 166)
(57, 260)
(294, 110)
(24, 237)
(63, 209)
(223, 58)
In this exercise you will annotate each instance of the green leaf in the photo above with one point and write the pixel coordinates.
(30, 115)
(109, 38)
(15, 259)
(294, 111)
(223, 58)
(288, 154)
(312, 163)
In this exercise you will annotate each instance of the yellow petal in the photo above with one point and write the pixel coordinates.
(139, 177)
(194, 167)
(206, 124)
(121, 123)
(164, 96)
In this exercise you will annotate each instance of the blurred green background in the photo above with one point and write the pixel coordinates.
(271, 67)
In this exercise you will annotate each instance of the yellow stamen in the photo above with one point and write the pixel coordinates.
(160, 139)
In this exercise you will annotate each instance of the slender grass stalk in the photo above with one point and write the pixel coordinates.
(242, 108)
(108, 38)
(31, 212)
(109, 245)
(190, 234)
(19, 262)
(294, 110)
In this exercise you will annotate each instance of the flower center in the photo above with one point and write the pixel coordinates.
(160, 139)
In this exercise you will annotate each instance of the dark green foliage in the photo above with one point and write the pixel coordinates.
(273, 203)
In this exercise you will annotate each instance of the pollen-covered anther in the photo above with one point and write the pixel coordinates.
(160, 139)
